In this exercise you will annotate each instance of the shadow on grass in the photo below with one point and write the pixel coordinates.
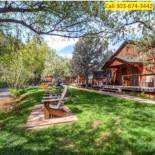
(106, 125)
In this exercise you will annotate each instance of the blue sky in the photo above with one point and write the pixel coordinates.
(67, 51)
(63, 46)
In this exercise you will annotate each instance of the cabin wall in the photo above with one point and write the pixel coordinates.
(116, 67)
(143, 78)
(99, 82)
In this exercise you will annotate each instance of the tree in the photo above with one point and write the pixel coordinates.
(55, 65)
(121, 24)
(147, 45)
(88, 55)
(47, 18)
(25, 64)
(74, 19)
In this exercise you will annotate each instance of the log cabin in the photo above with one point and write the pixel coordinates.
(99, 78)
(96, 79)
(132, 68)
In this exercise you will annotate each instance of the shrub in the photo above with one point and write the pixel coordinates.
(14, 92)
(22, 91)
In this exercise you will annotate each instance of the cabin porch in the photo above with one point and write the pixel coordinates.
(130, 72)
(120, 88)
(130, 76)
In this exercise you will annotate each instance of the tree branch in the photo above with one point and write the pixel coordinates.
(39, 8)
(19, 22)
(140, 22)
(52, 30)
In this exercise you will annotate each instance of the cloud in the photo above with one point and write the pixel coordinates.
(59, 43)
(68, 55)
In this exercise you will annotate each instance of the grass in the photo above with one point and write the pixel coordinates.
(106, 125)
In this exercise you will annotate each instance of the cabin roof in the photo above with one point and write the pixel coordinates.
(114, 54)
(124, 59)
(130, 59)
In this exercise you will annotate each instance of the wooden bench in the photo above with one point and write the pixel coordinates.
(55, 106)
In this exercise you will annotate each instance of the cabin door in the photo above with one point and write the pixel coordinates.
(134, 78)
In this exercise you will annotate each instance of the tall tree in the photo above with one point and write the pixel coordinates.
(88, 55)
(74, 19)
(27, 63)
(55, 65)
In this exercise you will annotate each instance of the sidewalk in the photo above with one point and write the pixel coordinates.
(127, 97)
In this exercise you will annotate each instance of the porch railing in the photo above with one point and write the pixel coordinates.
(141, 80)
(131, 88)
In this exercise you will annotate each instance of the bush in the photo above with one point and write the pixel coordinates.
(22, 91)
(14, 92)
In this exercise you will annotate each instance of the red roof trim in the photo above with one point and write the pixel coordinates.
(117, 52)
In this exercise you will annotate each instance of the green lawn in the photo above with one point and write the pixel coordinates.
(106, 125)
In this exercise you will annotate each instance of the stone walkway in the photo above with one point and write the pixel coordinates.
(127, 97)
(37, 120)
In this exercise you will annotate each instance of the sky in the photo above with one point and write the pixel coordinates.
(63, 46)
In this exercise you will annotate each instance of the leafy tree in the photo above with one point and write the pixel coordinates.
(88, 56)
(8, 44)
(74, 19)
(17, 68)
(46, 18)
(146, 45)
(56, 66)
(35, 54)
(122, 24)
